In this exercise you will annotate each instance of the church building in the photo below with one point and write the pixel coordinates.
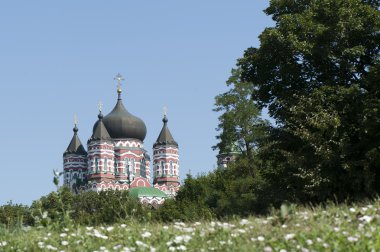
(116, 159)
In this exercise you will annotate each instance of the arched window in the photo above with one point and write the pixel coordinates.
(96, 165)
(126, 167)
(105, 167)
(133, 166)
(171, 168)
(162, 168)
(116, 168)
(143, 168)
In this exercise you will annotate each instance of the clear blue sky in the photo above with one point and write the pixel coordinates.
(58, 58)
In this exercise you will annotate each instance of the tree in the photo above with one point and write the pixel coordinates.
(317, 72)
(240, 121)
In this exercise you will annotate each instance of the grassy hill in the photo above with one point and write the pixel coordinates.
(330, 228)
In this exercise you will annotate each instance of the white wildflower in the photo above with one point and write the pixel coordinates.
(41, 244)
(50, 247)
(26, 228)
(165, 227)
(267, 249)
(260, 238)
(146, 234)
(284, 226)
(352, 210)
(44, 215)
(171, 248)
(185, 238)
(66, 229)
(352, 238)
(325, 245)
(283, 250)
(364, 209)
(109, 229)
(123, 225)
(64, 243)
(188, 229)
(289, 237)
(366, 218)
(309, 242)
(141, 244)
(304, 250)
(3, 244)
(244, 222)
(63, 235)
(181, 247)
(117, 247)
(336, 229)
(89, 228)
(319, 239)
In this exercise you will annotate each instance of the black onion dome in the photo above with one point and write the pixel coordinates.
(165, 137)
(75, 146)
(122, 124)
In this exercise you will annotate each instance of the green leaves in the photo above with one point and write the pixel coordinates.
(317, 71)
(240, 122)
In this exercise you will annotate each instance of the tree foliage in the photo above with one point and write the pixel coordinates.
(317, 72)
(240, 121)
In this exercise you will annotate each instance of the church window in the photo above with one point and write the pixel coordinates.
(115, 167)
(133, 166)
(171, 167)
(162, 168)
(143, 168)
(96, 165)
(105, 165)
(126, 171)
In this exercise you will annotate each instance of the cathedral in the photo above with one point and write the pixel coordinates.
(116, 159)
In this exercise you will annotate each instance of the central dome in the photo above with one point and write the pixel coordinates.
(122, 124)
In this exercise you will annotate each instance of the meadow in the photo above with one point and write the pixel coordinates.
(332, 227)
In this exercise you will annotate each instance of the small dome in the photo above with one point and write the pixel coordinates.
(122, 124)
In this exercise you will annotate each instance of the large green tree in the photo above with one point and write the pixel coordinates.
(317, 71)
(240, 123)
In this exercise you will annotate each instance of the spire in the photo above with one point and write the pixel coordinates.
(75, 146)
(165, 137)
(100, 132)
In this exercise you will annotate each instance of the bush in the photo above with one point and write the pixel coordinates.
(12, 215)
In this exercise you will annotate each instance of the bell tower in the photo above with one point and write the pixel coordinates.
(166, 161)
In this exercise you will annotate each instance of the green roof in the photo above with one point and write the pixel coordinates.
(138, 192)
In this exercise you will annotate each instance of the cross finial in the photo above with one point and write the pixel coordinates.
(100, 106)
(165, 109)
(118, 78)
(75, 120)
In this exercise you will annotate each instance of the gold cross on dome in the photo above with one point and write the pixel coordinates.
(100, 106)
(118, 78)
(75, 120)
(165, 109)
